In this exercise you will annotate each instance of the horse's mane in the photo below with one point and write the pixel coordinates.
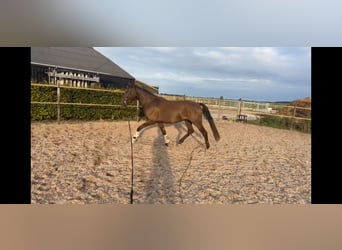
(145, 90)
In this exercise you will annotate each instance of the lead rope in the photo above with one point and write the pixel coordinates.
(186, 169)
(132, 172)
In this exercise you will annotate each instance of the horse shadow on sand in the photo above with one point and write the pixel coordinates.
(161, 183)
(162, 187)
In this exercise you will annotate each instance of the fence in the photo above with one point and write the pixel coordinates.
(58, 102)
(219, 107)
(233, 108)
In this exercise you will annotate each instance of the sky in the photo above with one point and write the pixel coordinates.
(152, 23)
(250, 73)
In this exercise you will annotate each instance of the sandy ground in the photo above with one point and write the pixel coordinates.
(90, 162)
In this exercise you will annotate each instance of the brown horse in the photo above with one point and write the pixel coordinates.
(159, 110)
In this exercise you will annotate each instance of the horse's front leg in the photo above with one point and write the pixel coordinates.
(142, 126)
(162, 128)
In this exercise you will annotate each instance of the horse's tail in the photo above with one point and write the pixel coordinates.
(210, 119)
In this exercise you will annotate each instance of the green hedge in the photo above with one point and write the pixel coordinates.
(43, 94)
(40, 112)
(284, 123)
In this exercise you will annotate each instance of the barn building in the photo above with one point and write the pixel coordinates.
(77, 67)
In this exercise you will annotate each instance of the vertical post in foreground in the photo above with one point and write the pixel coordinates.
(137, 110)
(132, 165)
(58, 100)
(219, 108)
(293, 116)
(239, 109)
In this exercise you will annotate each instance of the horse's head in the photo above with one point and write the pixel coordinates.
(129, 95)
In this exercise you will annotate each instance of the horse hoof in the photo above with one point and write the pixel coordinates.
(166, 144)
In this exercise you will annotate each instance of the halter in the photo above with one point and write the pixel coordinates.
(125, 101)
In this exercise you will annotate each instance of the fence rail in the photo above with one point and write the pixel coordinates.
(71, 87)
(79, 104)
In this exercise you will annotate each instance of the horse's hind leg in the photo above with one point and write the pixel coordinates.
(162, 128)
(204, 133)
(189, 132)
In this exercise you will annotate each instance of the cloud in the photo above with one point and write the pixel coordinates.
(211, 54)
(164, 49)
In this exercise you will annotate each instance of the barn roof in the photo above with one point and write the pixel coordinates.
(79, 58)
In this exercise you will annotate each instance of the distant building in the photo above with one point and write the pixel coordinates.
(77, 67)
